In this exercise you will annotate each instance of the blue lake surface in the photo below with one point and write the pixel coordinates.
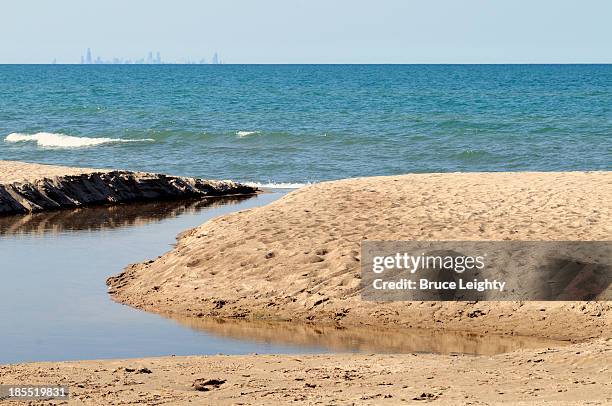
(308, 123)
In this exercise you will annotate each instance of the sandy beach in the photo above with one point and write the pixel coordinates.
(575, 375)
(16, 171)
(296, 260)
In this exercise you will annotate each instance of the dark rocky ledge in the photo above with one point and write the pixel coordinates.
(108, 187)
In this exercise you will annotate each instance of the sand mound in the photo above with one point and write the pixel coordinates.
(298, 258)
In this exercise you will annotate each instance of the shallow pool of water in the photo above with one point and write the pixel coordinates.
(53, 297)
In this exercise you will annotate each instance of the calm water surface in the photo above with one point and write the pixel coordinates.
(54, 301)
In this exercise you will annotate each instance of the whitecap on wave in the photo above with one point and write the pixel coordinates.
(241, 134)
(54, 140)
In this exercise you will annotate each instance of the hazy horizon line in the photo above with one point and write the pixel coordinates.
(307, 63)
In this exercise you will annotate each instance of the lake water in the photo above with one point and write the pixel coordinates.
(295, 124)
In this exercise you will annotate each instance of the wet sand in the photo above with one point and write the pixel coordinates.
(367, 340)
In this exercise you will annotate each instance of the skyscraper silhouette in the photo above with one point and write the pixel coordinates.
(151, 57)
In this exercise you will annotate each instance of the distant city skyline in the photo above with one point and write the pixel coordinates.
(90, 59)
(308, 31)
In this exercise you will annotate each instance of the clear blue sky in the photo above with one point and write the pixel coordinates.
(310, 31)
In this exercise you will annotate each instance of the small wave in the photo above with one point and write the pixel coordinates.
(66, 141)
(545, 130)
(280, 185)
(472, 154)
(241, 134)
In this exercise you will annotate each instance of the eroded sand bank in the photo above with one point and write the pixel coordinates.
(298, 258)
(26, 187)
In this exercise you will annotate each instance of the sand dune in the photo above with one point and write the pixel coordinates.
(298, 258)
